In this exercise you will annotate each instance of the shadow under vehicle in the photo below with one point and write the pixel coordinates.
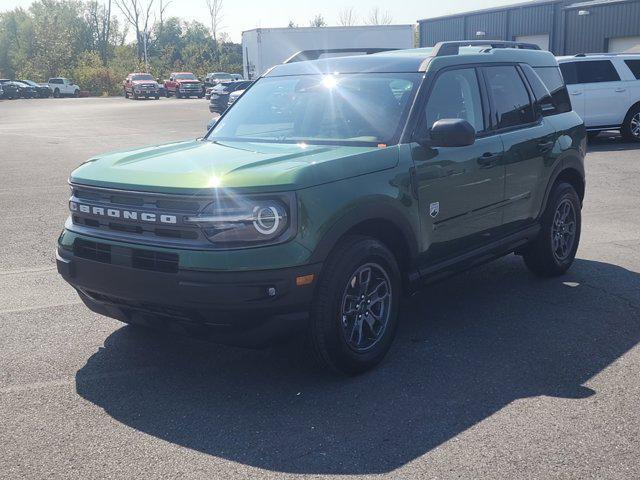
(455, 365)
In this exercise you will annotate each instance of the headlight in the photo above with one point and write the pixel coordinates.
(244, 221)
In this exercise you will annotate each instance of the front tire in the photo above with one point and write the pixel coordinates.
(631, 127)
(126, 94)
(354, 316)
(76, 93)
(554, 250)
(56, 93)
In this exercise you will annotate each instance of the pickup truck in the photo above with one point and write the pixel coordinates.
(138, 85)
(63, 86)
(183, 84)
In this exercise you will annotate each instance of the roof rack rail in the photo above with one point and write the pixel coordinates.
(442, 49)
(305, 55)
(605, 54)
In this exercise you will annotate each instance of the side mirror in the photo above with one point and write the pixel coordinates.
(452, 132)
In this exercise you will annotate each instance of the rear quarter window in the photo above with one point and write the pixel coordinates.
(634, 66)
(554, 83)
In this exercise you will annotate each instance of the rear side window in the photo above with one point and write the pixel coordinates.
(553, 81)
(634, 66)
(511, 103)
(593, 71)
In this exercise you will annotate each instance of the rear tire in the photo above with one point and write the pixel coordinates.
(354, 316)
(554, 250)
(631, 127)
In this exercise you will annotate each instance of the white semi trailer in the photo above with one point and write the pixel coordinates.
(263, 48)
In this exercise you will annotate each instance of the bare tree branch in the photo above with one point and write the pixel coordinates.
(347, 17)
(378, 17)
(215, 17)
(137, 13)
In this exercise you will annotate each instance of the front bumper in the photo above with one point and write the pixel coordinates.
(247, 308)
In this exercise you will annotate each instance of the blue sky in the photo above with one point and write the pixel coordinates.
(242, 15)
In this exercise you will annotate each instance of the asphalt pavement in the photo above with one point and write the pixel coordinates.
(494, 374)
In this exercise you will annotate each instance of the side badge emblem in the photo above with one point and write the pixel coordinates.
(434, 209)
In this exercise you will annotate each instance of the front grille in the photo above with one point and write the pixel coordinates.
(173, 234)
(129, 257)
(156, 261)
(95, 251)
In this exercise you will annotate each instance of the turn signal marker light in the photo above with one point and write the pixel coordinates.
(305, 280)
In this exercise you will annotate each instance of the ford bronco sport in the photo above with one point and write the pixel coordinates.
(328, 189)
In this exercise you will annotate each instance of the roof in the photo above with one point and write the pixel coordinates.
(596, 56)
(338, 27)
(412, 60)
(593, 3)
(531, 3)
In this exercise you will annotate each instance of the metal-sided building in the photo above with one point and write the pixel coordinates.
(564, 27)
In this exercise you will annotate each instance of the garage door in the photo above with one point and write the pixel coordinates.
(624, 44)
(541, 40)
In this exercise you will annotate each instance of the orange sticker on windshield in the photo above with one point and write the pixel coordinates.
(382, 145)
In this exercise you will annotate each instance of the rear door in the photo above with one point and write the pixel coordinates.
(606, 95)
(460, 189)
(528, 141)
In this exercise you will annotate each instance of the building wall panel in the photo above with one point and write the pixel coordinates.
(590, 33)
(569, 32)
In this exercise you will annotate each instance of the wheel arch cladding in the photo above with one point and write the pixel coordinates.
(574, 178)
(381, 222)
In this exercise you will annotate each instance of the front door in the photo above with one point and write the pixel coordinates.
(460, 189)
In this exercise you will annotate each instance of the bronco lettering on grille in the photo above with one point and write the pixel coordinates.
(123, 214)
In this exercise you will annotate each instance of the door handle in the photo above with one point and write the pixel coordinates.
(576, 93)
(488, 159)
(621, 90)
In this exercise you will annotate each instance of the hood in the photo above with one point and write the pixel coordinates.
(187, 81)
(144, 82)
(192, 166)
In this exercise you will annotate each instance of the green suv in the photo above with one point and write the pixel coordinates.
(330, 188)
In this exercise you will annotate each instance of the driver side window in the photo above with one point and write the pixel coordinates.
(456, 94)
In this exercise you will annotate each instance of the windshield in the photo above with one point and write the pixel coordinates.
(142, 77)
(326, 109)
(185, 76)
(222, 76)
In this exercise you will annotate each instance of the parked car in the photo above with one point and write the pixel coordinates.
(329, 188)
(233, 96)
(213, 79)
(10, 90)
(26, 90)
(605, 91)
(212, 122)
(42, 90)
(138, 85)
(219, 95)
(63, 87)
(183, 85)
